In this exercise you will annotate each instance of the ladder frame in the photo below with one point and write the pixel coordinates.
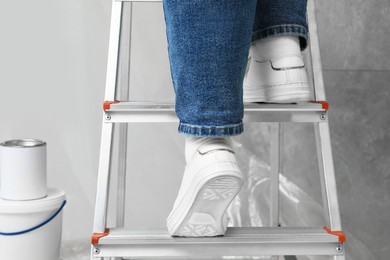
(119, 36)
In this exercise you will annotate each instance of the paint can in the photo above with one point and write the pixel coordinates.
(23, 169)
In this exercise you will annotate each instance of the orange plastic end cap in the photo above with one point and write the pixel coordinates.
(325, 104)
(107, 104)
(340, 234)
(97, 236)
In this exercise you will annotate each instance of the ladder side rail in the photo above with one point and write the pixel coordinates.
(275, 150)
(322, 133)
(327, 176)
(319, 89)
(103, 179)
(121, 181)
(276, 163)
(107, 129)
(123, 94)
(124, 53)
(113, 51)
(323, 141)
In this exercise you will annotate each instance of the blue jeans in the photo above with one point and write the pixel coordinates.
(208, 44)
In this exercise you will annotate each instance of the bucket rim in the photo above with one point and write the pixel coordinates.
(52, 201)
(23, 143)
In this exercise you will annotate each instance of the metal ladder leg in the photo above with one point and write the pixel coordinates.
(322, 134)
(327, 176)
(123, 79)
(275, 151)
(100, 219)
(123, 94)
(328, 180)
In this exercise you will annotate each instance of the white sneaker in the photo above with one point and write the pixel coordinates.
(211, 181)
(280, 80)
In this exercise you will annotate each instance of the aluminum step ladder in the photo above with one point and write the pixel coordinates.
(275, 241)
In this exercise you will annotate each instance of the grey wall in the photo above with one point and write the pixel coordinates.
(355, 46)
(52, 75)
(52, 72)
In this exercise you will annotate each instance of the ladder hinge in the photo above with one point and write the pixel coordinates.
(107, 104)
(97, 236)
(340, 234)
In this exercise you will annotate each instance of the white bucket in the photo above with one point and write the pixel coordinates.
(42, 243)
(23, 169)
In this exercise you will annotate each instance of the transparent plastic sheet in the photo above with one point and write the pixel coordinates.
(76, 250)
(297, 208)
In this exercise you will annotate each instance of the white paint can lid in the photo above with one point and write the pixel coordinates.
(23, 143)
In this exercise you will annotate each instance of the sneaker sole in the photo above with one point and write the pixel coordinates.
(205, 216)
(288, 93)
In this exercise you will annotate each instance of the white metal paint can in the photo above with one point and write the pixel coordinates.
(32, 229)
(23, 169)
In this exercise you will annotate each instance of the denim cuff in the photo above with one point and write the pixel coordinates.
(283, 29)
(211, 131)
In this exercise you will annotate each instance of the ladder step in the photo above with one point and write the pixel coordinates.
(126, 112)
(253, 241)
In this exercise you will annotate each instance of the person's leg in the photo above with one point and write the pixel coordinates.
(281, 18)
(208, 44)
(276, 70)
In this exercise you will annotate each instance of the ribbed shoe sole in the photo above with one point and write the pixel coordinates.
(205, 216)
